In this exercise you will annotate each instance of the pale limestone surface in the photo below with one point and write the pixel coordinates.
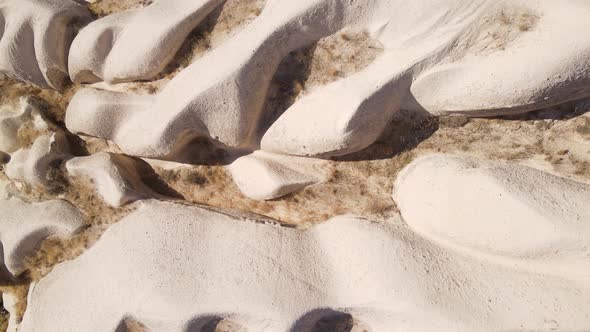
(36, 37)
(116, 177)
(263, 175)
(491, 208)
(173, 267)
(115, 48)
(32, 165)
(428, 45)
(25, 225)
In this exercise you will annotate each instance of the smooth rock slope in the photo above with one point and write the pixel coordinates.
(115, 48)
(116, 177)
(509, 212)
(32, 165)
(484, 53)
(269, 278)
(25, 225)
(35, 38)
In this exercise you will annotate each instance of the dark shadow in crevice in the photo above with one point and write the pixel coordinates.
(206, 323)
(563, 111)
(153, 180)
(130, 324)
(287, 83)
(4, 159)
(198, 35)
(324, 320)
(199, 150)
(406, 130)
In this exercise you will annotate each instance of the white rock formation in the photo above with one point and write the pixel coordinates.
(175, 268)
(135, 44)
(31, 165)
(25, 225)
(263, 175)
(116, 177)
(12, 119)
(497, 209)
(35, 39)
(483, 52)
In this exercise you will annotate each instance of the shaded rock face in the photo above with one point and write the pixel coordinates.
(36, 37)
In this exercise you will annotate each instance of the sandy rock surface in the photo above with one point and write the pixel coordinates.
(263, 175)
(312, 165)
(116, 177)
(280, 278)
(489, 208)
(36, 37)
(348, 115)
(32, 165)
(25, 225)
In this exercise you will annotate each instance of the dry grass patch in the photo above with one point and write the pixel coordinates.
(4, 315)
(19, 288)
(331, 58)
(102, 8)
(99, 216)
(52, 103)
(353, 187)
(340, 55)
(221, 24)
(549, 144)
(496, 31)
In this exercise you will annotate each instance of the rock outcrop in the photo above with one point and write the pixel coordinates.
(25, 225)
(262, 175)
(498, 209)
(116, 177)
(135, 44)
(32, 165)
(35, 38)
(191, 266)
(475, 49)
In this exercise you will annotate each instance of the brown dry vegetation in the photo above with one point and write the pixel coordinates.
(102, 8)
(53, 103)
(217, 27)
(56, 250)
(501, 28)
(19, 289)
(303, 70)
(4, 315)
